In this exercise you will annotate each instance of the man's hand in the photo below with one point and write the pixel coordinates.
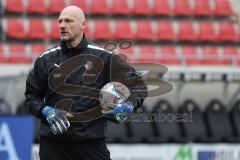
(57, 119)
(122, 111)
(119, 112)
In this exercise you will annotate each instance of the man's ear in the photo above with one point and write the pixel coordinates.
(84, 24)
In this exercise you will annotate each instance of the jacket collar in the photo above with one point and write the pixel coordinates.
(76, 50)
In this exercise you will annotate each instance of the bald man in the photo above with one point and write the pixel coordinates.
(65, 82)
(72, 23)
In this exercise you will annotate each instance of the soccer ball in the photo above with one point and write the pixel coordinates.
(111, 94)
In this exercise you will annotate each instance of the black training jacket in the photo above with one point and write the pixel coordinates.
(40, 93)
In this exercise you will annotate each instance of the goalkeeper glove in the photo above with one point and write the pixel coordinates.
(57, 119)
(120, 112)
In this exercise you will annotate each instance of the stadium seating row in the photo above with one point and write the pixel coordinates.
(163, 124)
(17, 53)
(186, 55)
(190, 55)
(188, 124)
(133, 30)
(125, 7)
(165, 30)
(35, 30)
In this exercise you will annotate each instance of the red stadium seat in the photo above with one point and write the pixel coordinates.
(88, 33)
(37, 29)
(186, 32)
(168, 61)
(213, 61)
(55, 32)
(102, 30)
(121, 7)
(100, 7)
(141, 7)
(3, 57)
(154, 60)
(238, 61)
(203, 8)
(15, 6)
(129, 52)
(223, 8)
(147, 51)
(55, 6)
(144, 30)
(15, 28)
(168, 51)
(17, 54)
(207, 32)
(168, 55)
(227, 61)
(82, 4)
(182, 8)
(189, 51)
(161, 8)
(36, 6)
(230, 54)
(37, 50)
(144, 60)
(165, 31)
(230, 51)
(191, 55)
(228, 32)
(162, 60)
(123, 30)
(210, 56)
(210, 51)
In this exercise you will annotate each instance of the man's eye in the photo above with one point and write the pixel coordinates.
(67, 20)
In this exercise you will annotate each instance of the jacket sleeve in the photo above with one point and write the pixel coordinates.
(122, 72)
(36, 86)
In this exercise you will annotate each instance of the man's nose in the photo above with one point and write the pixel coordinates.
(62, 25)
